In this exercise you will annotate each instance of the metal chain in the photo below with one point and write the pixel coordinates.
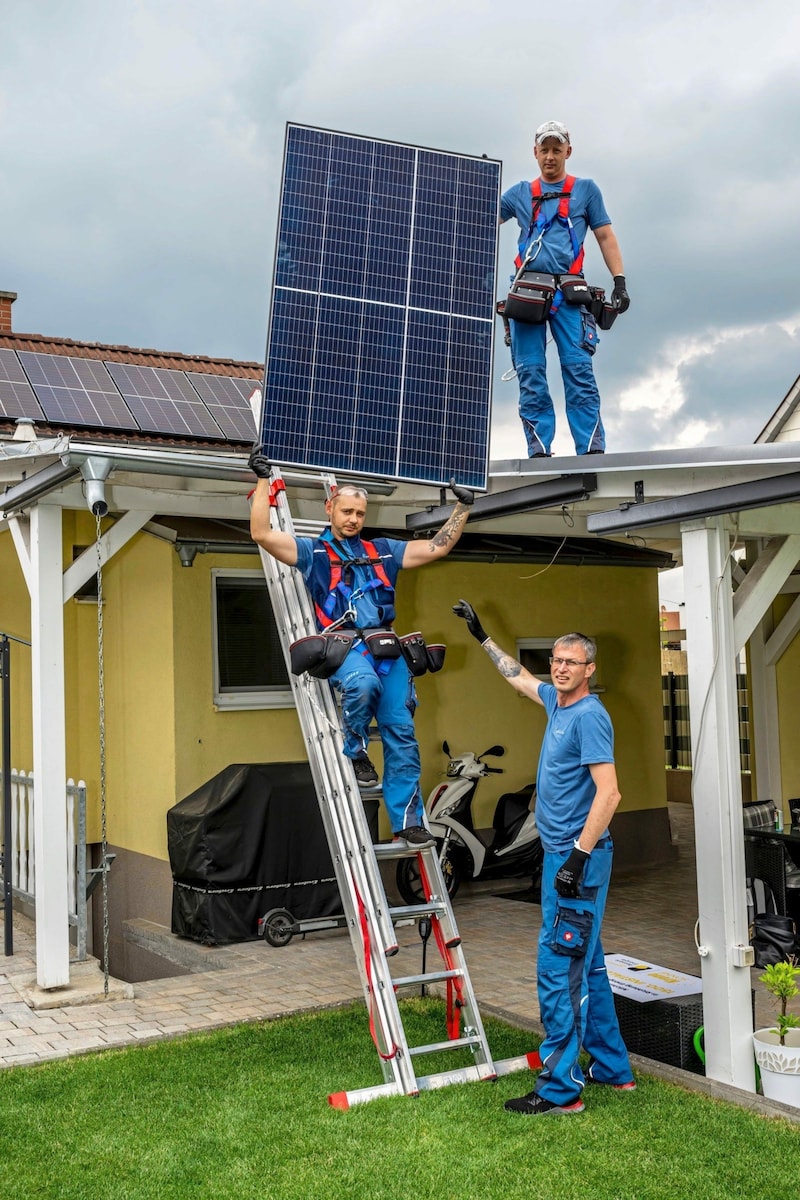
(102, 724)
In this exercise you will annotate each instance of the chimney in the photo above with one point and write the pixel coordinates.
(6, 300)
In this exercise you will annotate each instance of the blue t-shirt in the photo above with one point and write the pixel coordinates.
(577, 736)
(375, 605)
(586, 211)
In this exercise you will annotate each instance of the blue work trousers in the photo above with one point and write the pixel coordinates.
(390, 700)
(575, 334)
(576, 1003)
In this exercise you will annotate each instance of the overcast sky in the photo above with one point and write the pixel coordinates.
(141, 147)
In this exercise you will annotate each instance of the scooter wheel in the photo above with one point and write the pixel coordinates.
(278, 927)
(409, 884)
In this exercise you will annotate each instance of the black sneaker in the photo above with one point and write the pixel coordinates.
(366, 775)
(417, 835)
(628, 1086)
(534, 1105)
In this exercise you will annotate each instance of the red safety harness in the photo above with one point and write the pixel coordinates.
(336, 585)
(539, 226)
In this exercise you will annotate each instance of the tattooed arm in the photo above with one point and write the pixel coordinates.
(521, 680)
(418, 553)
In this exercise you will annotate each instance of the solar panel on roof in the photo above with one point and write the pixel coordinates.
(163, 401)
(228, 401)
(17, 398)
(379, 351)
(76, 391)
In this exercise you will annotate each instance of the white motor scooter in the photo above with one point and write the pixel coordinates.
(510, 847)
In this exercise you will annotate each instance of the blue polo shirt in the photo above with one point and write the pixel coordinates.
(586, 211)
(577, 736)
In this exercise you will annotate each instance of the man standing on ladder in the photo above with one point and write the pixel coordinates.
(352, 585)
(577, 795)
(554, 214)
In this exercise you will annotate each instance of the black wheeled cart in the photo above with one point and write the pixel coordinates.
(250, 858)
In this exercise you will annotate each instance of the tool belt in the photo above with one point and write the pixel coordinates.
(419, 656)
(385, 643)
(532, 293)
(530, 297)
(381, 643)
(321, 654)
(604, 313)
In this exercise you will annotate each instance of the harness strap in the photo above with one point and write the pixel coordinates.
(338, 561)
(540, 225)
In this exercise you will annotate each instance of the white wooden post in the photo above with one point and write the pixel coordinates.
(49, 746)
(717, 793)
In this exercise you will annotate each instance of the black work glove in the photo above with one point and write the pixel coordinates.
(569, 876)
(620, 300)
(258, 462)
(467, 612)
(465, 495)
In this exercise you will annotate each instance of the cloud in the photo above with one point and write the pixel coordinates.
(142, 148)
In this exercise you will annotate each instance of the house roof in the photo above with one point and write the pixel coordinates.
(173, 359)
(784, 424)
(166, 360)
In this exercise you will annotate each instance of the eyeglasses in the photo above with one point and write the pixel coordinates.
(568, 662)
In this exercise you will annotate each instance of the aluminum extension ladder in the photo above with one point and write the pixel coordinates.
(369, 918)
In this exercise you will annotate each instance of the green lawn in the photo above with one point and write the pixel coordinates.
(242, 1114)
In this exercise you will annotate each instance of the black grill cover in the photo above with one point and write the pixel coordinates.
(248, 840)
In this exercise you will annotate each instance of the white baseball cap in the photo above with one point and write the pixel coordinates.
(552, 129)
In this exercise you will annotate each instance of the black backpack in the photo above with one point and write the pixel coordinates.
(772, 936)
(760, 899)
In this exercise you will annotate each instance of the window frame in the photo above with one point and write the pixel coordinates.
(276, 696)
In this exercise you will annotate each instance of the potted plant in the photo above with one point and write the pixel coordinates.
(778, 1050)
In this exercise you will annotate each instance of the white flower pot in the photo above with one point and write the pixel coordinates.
(779, 1065)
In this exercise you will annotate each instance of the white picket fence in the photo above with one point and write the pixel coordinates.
(23, 867)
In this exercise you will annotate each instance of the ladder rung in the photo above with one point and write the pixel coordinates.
(474, 1074)
(430, 977)
(434, 907)
(453, 1044)
(397, 849)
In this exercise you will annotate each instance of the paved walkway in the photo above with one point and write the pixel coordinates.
(651, 917)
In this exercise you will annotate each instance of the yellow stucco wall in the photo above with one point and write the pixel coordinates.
(15, 620)
(470, 704)
(208, 740)
(164, 737)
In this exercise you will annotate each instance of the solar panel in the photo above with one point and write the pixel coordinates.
(163, 401)
(17, 397)
(228, 401)
(379, 351)
(76, 391)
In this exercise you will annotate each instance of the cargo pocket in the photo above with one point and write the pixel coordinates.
(571, 931)
(589, 338)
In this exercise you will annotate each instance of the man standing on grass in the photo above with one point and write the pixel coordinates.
(576, 797)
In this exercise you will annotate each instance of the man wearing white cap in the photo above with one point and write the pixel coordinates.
(554, 214)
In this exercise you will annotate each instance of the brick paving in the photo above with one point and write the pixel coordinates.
(651, 917)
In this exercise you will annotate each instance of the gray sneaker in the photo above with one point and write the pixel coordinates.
(366, 775)
(417, 835)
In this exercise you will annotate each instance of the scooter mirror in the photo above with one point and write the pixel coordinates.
(497, 751)
(446, 748)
